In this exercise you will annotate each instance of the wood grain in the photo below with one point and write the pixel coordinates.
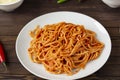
(11, 23)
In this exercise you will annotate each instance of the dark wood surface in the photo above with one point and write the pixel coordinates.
(11, 23)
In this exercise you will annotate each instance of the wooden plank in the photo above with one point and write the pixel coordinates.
(18, 77)
(10, 30)
(32, 77)
(100, 78)
(109, 70)
(108, 17)
(115, 51)
(113, 60)
(7, 21)
(116, 43)
(13, 68)
(113, 32)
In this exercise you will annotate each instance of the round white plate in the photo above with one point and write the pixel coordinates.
(23, 40)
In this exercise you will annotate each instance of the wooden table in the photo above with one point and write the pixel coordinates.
(11, 24)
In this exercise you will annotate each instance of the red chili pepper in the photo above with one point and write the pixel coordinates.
(2, 56)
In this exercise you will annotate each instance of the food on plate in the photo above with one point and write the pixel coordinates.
(64, 47)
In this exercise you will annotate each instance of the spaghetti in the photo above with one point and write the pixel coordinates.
(63, 47)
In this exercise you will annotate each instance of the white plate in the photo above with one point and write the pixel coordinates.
(23, 40)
